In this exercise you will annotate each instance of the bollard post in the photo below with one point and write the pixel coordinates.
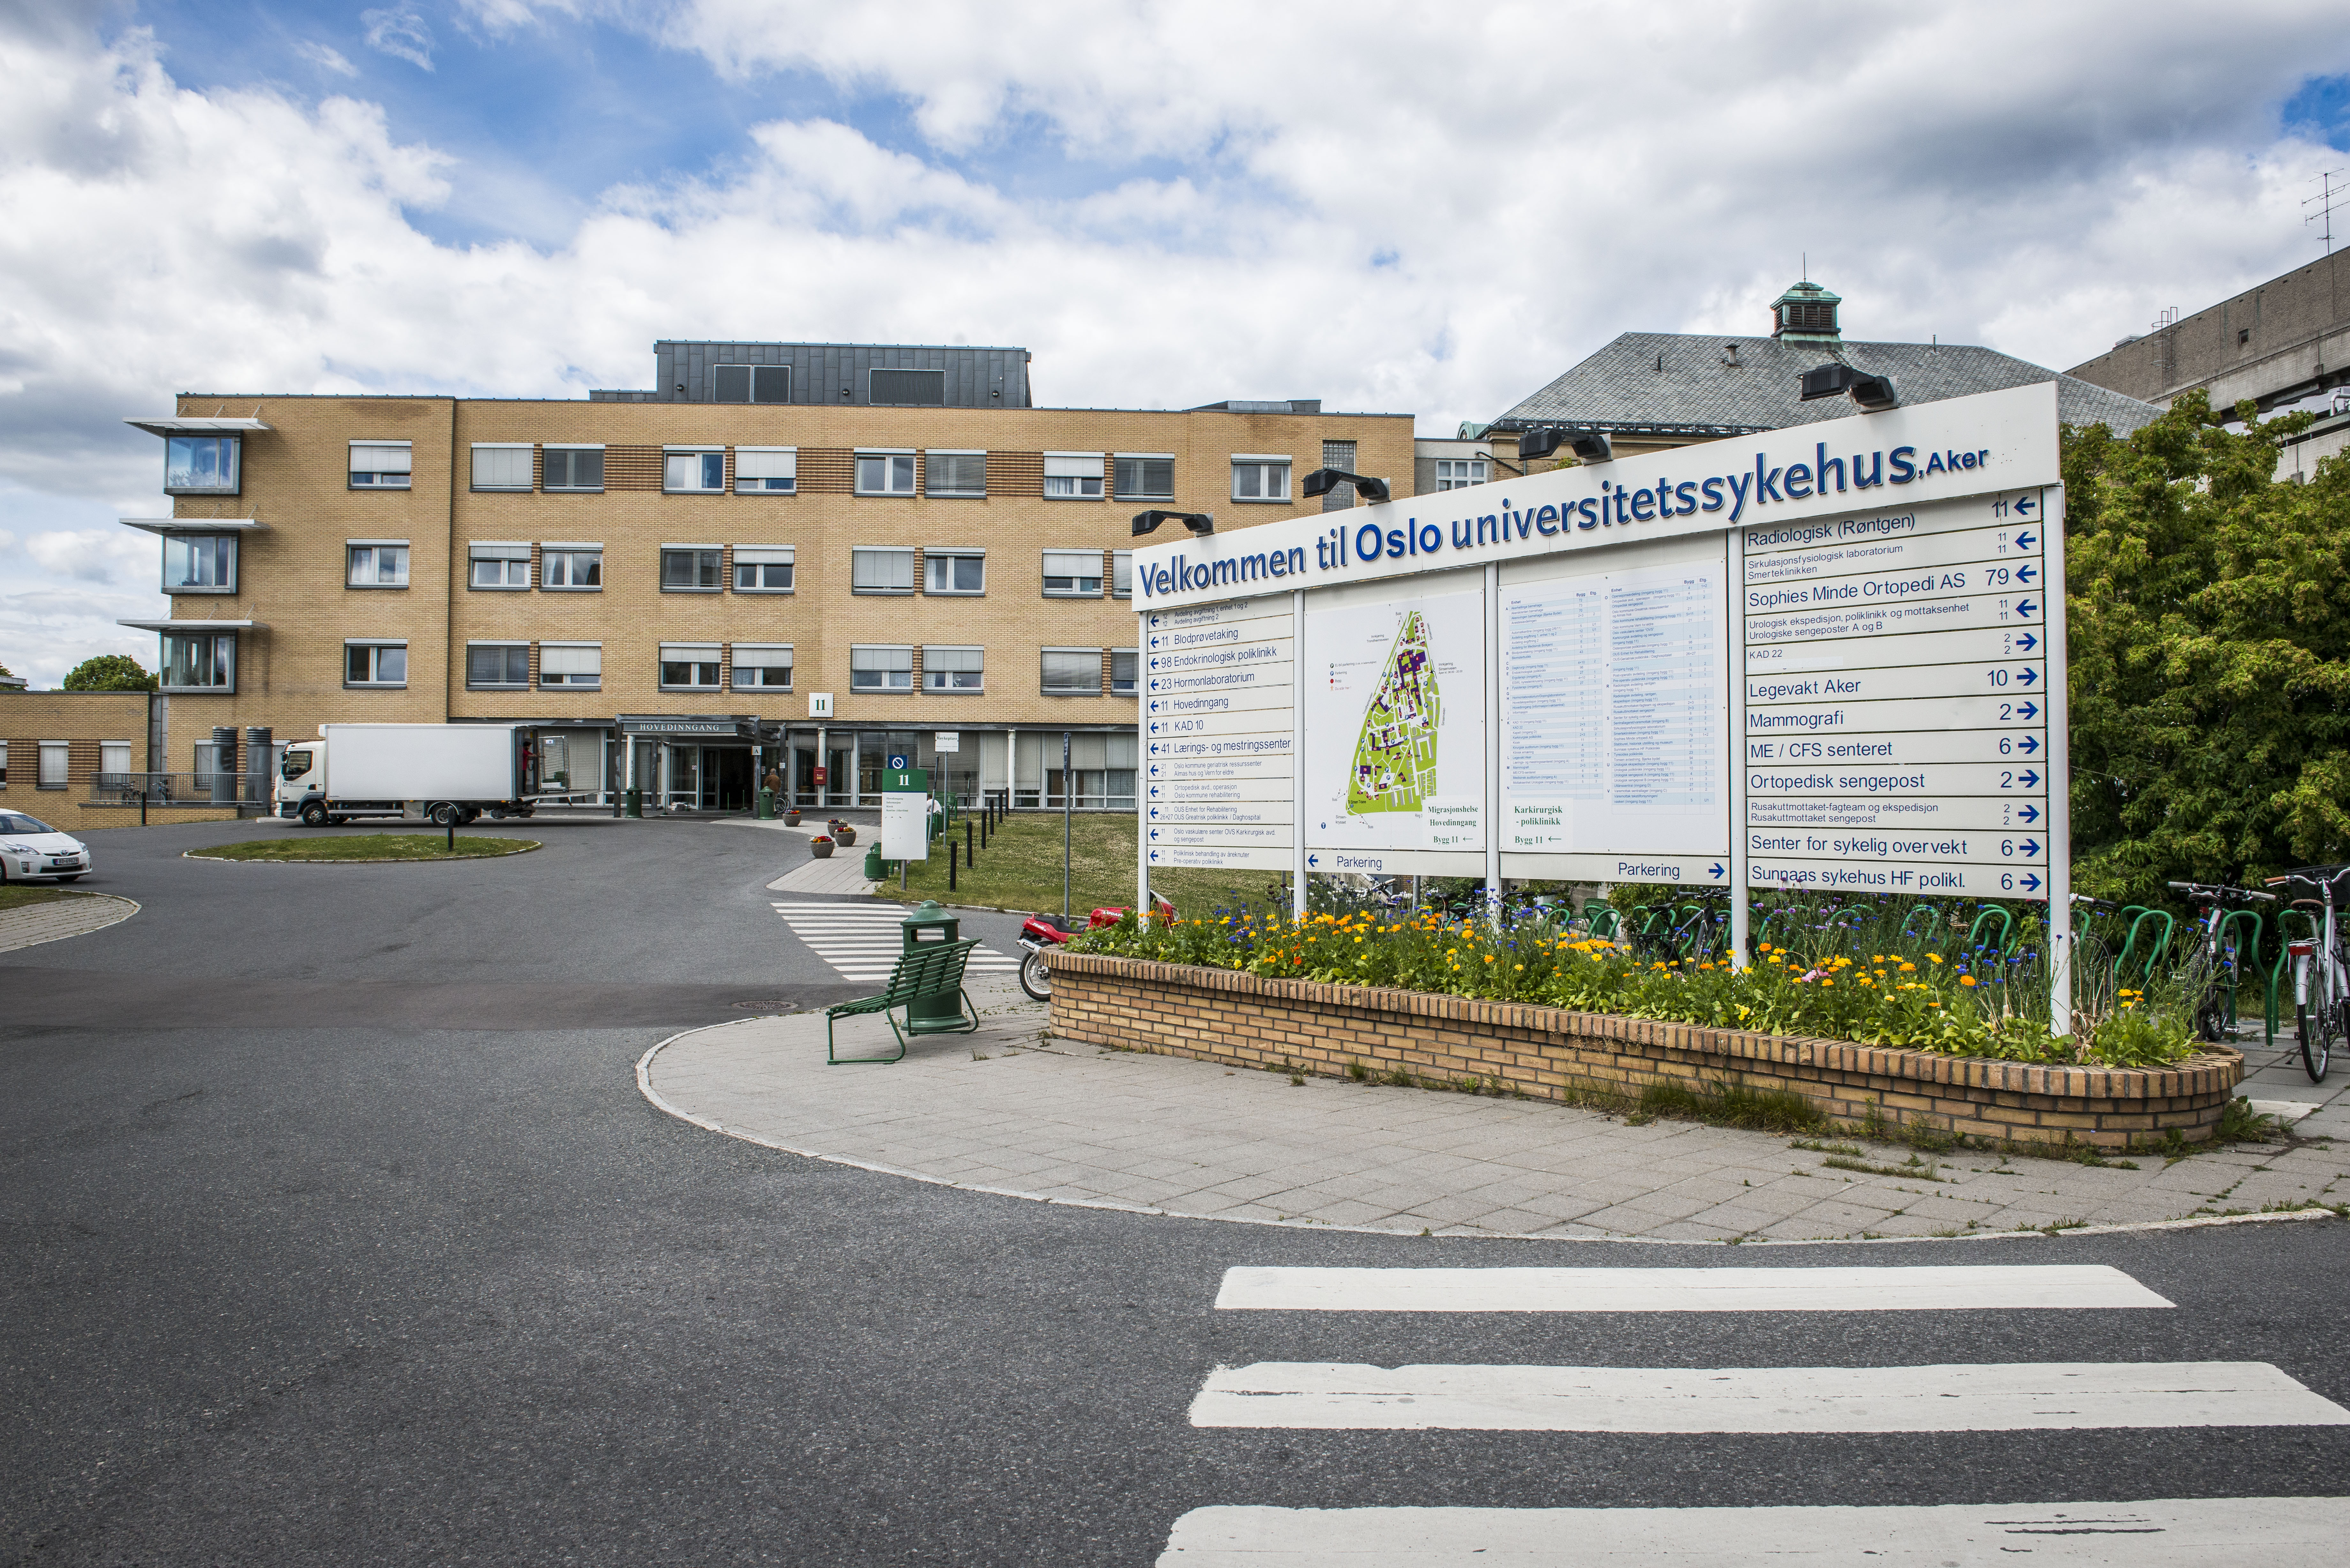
(968, 857)
(453, 832)
(952, 848)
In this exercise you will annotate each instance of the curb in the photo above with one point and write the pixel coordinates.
(368, 860)
(129, 908)
(653, 1097)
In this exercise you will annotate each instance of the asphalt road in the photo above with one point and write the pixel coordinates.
(333, 1230)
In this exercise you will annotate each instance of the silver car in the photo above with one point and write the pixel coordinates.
(30, 848)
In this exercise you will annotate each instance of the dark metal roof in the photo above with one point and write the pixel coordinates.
(1655, 382)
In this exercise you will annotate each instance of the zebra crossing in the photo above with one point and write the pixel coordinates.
(2020, 1396)
(863, 942)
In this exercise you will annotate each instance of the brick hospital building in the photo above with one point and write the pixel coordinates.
(812, 555)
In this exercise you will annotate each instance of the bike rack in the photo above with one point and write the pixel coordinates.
(2284, 960)
(1907, 920)
(2006, 927)
(1605, 925)
(2129, 943)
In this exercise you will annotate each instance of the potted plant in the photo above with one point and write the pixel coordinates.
(820, 846)
(791, 816)
(845, 832)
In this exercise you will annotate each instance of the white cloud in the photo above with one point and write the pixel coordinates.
(327, 58)
(400, 32)
(115, 556)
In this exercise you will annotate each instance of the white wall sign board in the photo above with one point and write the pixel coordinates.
(1823, 656)
(905, 825)
(1218, 735)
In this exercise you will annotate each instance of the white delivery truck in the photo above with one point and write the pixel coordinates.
(436, 773)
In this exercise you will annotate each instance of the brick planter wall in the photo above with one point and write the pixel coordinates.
(1550, 1052)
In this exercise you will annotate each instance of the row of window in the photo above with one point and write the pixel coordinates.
(51, 759)
(765, 668)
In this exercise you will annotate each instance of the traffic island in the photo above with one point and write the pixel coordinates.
(365, 849)
(1548, 1053)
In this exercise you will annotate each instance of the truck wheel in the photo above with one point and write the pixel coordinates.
(314, 813)
(441, 815)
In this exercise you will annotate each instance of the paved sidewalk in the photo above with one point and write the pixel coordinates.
(1009, 1111)
(75, 915)
(843, 873)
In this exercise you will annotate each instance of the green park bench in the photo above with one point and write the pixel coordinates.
(932, 969)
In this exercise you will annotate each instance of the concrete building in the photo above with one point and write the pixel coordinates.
(2282, 342)
(807, 554)
(75, 759)
(1650, 391)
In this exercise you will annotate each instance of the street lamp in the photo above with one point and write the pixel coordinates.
(1198, 521)
(1323, 481)
(1873, 393)
(1589, 445)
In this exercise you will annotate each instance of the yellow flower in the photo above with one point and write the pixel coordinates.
(1522, 966)
(1966, 980)
(1933, 957)
(1909, 968)
(1826, 984)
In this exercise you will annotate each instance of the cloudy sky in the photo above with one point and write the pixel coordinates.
(1425, 208)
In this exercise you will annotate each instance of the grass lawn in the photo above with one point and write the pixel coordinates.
(365, 847)
(17, 896)
(1021, 869)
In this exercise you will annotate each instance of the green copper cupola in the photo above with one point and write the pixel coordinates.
(1806, 313)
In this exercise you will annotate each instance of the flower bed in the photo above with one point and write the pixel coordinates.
(1230, 1015)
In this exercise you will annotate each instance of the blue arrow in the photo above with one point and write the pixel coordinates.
(2030, 710)
(2030, 883)
(2024, 609)
(2023, 540)
(1715, 869)
(1154, 814)
(2028, 779)
(2026, 675)
(2025, 574)
(1154, 788)
(2029, 848)
(1154, 642)
(2027, 642)
(1154, 704)
(1154, 855)
(1154, 664)
(2030, 814)
(1154, 728)
(2028, 744)
(2024, 505)
(1154, 770)
(1314, 860)
(1154, 835)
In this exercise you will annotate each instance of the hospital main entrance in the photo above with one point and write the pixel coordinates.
(691, 762)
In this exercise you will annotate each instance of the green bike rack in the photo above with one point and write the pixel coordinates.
(2129, 943)
(1605, 924)
(1911, 918)
(2284, 963)
(2248, 955)
(2006, 926)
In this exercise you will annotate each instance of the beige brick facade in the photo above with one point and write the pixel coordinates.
(76, 730)
(292, 576)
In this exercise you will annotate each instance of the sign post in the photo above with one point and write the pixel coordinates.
(905, 812)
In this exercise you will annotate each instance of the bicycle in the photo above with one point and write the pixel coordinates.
(2219, 960)
(2321, 970)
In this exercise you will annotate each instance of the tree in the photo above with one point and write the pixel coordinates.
(109, 672)
(2209, 635)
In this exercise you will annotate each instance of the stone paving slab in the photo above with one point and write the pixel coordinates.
(1010, 1110)
(75, 915)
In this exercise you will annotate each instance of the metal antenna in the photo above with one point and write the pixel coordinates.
(2325, 197)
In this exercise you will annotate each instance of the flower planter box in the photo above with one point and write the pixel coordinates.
(820, 848)
(1550, 1052)
(791, 819)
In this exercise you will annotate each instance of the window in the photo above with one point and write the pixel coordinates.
(380, 464)
(1259, 478)
(571, 568)
(1073, 475)
(200, 562)
(375, 664)
(114, 758)
(53, 764)
(954, 571)
(763, 667)
(502, 465)
(954, 473)
(1073, 574)
(885, 473)
(690, 569)
(875, 569)
(918, 388)
(750, 383)
(766, 470)
(1340, 455)
(880, 669)
(953, 669)
(381, 564)
(1125, 664)
(693, 472)
(201, 465)
(499, 563)
(571, 666)
(199, 662)
(1145, 476)
(6, 826)
(1072, 672)
(690, 666)
(1459, 472)
(763, 568)
(1121, 573)
(494, 666)
(571, 468)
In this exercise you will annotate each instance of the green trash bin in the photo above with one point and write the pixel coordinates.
(636, 806)
(873, 863)
(766, 804)
(930, 924)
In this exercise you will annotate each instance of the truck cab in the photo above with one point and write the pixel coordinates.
(300, 775)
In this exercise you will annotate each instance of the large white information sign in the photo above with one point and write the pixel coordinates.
(1218, 782)
(1825, 657)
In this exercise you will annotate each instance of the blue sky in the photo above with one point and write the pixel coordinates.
(1392, 206)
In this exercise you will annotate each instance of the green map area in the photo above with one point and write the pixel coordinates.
(1395, 757)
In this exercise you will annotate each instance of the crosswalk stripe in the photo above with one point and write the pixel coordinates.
(1990, 1398)
(864, 944)
(1931, 1288)
(2186, 1533)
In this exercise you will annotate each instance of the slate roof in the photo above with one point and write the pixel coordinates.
(1621, 387)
